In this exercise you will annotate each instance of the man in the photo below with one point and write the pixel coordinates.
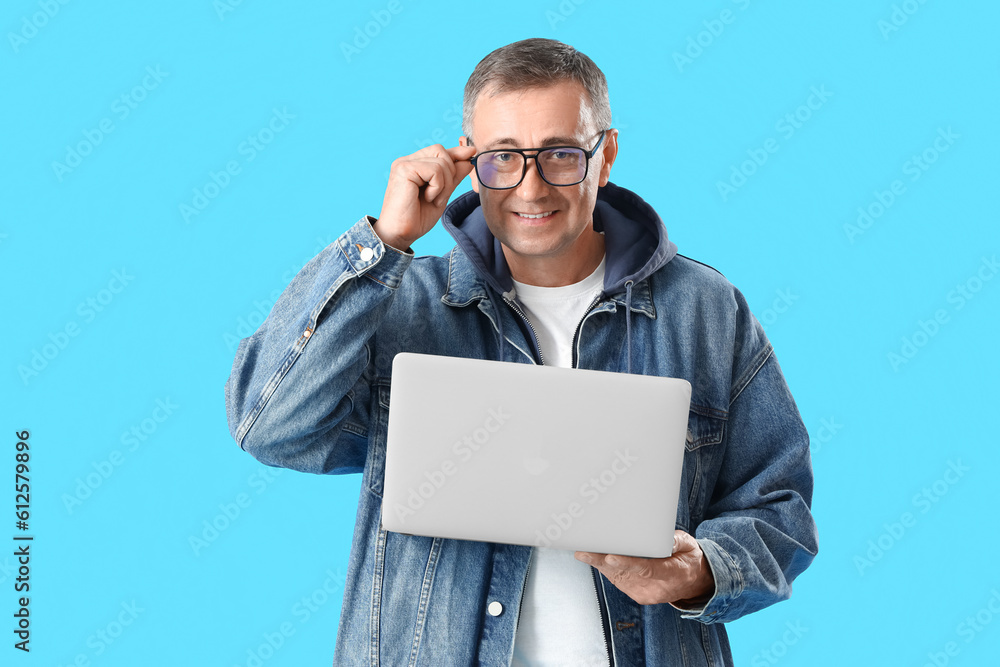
(553, 264)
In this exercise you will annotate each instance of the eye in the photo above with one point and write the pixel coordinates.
(503, 157)
(561, 155)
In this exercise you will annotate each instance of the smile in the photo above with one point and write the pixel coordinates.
(535, 216)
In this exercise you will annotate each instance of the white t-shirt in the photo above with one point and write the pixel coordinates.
(560, 619)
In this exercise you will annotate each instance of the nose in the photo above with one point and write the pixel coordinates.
(532, 186)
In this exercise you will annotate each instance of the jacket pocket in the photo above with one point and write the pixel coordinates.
(702, 459)
(705, 427)
(375, 465)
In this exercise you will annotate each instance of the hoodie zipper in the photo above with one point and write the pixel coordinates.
(520, 604)
(579, 326)
(602, 606)
(534, 334)
(605, 619)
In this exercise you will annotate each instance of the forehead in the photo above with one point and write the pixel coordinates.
(531, 116)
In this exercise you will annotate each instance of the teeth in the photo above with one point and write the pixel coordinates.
(540, 215)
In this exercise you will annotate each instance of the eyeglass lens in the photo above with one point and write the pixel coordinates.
(559, 166)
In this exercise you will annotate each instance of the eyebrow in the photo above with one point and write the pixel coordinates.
(551, 141)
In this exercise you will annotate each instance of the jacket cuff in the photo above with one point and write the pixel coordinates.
(728, 585)
(369, 256)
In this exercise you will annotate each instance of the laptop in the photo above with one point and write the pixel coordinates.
(536, 455)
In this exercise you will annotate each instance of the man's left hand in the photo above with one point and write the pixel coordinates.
(684, 579)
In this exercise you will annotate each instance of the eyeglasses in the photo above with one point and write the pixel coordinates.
(561, 166)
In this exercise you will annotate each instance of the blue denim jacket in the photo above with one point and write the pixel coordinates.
(311, 390)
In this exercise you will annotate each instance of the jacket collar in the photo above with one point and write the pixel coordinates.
(635, 242)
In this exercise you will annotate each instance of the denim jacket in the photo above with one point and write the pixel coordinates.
(311, 390)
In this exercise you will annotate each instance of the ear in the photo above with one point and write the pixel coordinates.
(464, 141)
(610, 151)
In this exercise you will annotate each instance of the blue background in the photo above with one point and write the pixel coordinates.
(116, 533)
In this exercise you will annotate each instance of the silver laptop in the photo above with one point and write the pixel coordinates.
(535, 455)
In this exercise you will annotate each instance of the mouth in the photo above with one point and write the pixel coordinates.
(535, 218)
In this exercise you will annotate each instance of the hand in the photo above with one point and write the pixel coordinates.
(419, 187)
(685, 577)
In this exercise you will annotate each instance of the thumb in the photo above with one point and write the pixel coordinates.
(461, 152)
(461, 155)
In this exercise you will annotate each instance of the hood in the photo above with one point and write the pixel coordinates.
(635, 239)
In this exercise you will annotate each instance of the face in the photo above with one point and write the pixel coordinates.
(563, 242)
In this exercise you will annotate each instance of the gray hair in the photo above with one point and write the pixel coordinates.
(534, 63)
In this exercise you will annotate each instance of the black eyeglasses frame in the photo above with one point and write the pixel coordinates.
(537, 151)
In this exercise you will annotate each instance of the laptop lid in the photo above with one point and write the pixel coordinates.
(534, 455)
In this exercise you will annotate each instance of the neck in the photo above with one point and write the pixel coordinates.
(558, 271)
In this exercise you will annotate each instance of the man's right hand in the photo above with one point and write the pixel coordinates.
(419, 187)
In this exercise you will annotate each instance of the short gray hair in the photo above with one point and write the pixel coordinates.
(536, 63)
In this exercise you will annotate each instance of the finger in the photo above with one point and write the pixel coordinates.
(440, 193)
(431, 180)
(627, 563)
(451, 174)
(461, 153)
(684, 542)
(613, 562)
(447, 156)
(462, 169)
(589, 557)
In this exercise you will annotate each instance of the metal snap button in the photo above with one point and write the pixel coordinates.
(367, 254)
(495, 609)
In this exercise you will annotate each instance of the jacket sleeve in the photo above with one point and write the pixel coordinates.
(758, 533)
(298, 393)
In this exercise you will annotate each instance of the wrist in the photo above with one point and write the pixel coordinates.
(397, 242)
(700, 588)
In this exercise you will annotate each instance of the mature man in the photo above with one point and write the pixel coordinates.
(553, 264)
